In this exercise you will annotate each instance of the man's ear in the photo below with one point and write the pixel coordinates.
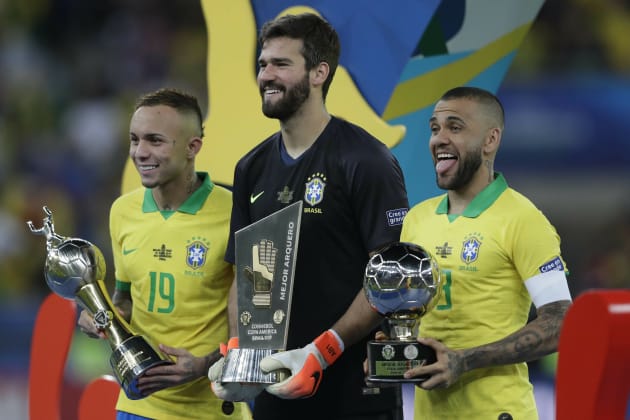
(194, 146)
(319, 74)
(492, 141)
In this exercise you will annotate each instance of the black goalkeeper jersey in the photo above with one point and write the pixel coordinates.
(354, 200)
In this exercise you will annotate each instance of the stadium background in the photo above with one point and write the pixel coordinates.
(70, 70)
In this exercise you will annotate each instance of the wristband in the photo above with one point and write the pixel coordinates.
(231, 344)
(330, 346)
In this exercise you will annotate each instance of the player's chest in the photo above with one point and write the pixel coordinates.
(324, 192)
(187, 248)
(466, 248)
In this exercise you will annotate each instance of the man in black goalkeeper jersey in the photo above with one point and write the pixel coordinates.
(354, 200)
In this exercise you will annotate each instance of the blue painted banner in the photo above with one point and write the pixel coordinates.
(397, 59)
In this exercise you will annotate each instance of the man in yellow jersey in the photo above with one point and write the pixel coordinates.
(168, 242)
(497, 254)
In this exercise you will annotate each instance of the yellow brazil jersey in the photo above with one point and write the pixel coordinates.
(172, 264)
(484, 255)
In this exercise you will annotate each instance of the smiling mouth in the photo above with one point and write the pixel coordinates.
(145, 168)
(270, 90)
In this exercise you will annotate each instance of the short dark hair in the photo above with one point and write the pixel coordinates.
(320, 40)
(480, 95)
(183, 102)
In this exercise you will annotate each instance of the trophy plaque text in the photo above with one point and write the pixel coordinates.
(265, 265)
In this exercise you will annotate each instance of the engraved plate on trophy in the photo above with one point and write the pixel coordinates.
(402, 283)
(265, 265)
(75, 270)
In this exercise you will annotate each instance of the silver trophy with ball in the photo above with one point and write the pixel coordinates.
(402, 283)
(75, 270)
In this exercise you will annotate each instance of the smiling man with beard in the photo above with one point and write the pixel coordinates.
(498, 254)
(352, 189)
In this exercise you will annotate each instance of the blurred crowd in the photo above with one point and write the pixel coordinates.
(576, 37)
(71, 69)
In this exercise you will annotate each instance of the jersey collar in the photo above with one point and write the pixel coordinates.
(482, 201)
(192, 203)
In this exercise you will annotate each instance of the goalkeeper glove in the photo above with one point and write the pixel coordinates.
(231, 391)
(306, 365)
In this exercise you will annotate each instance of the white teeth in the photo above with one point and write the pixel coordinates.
(147, 167)
(445, 156)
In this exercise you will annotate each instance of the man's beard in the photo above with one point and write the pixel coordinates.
(288, 106)
(465, 172)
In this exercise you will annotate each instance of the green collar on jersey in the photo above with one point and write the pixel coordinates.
(481, 202)
(192, 203)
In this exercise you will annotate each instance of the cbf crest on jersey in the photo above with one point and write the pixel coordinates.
(196, 252)
(470, 248)
(314, 191)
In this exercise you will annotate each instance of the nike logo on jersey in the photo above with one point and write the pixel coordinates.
(128, 251)
(253, 198)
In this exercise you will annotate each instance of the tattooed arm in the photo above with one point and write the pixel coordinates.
(535, 340)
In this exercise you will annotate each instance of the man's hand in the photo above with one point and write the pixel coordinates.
(444, 372)
(231, 391)
(87, 326)
(306, 366)
(185, 369)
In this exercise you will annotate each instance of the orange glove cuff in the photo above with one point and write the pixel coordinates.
(231, 344)
(329, 346)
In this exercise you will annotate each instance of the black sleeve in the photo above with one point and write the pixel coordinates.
(240, 211)
(379, 196)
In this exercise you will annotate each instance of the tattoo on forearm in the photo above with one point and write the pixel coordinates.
(537, 339)
(527, 343)
(455, 364)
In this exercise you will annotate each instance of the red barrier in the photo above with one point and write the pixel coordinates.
(52, 335)
(98, 401)
(593, 376)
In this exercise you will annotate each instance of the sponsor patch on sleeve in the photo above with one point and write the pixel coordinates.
(395, 217)
(555, 264)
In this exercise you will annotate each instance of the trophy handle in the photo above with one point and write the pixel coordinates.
(93, 297)
(403, 328)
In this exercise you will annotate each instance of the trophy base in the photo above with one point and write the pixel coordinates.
(131, 359)
(243, 366)
(388, 360)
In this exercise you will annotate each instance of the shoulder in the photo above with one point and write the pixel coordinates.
(128, 200)
(518, 205)
(126, 210)
(520, 218)
(427, 206)
(354, 137)
(221, 195)
(261, 149)
(518, 198)
(354, 148)
(221, 191)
